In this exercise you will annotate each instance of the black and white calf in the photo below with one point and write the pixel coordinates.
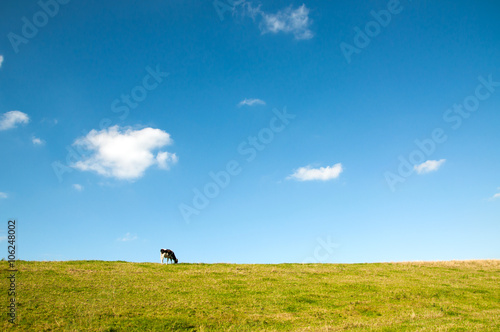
(169, 255)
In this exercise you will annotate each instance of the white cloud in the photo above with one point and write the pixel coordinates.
(10, 119)
(78, 187)
(3, 195)
(3, 238)
(295, 21)
(323, 173)
(37, 141)
(1, 60)
(429, 166)
(251, 102)
(164, 159)
(496, 196)
(127, 237)
(124, 153)
(288, 20)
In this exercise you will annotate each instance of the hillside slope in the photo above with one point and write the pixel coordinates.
(121, 296)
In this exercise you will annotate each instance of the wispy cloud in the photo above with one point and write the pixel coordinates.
(78, 187)
(1, 60)
(165, 159)
(124, 153)
(48, 121)
(3, 238)
(3, 195)
(11, 119)
(127, 237)
(495, 196)
(37, 141)
(322, 174)
(289, 20)
(251, 102)
(429, 166)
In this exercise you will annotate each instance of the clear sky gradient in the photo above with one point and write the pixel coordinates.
(251, 132)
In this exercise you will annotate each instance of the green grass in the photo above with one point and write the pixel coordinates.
(120, 296)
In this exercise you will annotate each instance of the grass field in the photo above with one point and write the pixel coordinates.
(121, 296)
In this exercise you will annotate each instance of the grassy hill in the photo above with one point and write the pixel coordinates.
(121, 296)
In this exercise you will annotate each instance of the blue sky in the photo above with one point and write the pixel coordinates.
(251, 132)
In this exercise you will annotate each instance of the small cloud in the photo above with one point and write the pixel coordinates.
(429, 166)
(78, 187)
(164, 159)
(3, 195)
(295, 21)
(124, 153)
(288, 20)
(48, 121)
(323, 173)
(37, 141)
(10, 119)
(251, 102)
(127, 237)
(3, 238)
(496, 196)
(1, 60)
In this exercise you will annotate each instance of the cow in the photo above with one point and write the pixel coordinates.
(169, 255)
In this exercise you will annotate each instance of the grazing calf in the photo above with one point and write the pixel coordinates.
(169, 255)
